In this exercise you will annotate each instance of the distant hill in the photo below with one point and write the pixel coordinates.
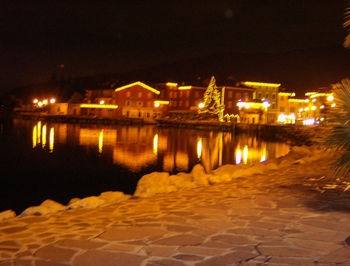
(297, 70)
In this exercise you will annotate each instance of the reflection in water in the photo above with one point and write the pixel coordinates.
(172, 150)
(52, 139)
(34, 136)
(44, 137)
(199, 148)
(155, 144)
(100, 142)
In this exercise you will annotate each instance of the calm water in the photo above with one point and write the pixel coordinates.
(41, 160)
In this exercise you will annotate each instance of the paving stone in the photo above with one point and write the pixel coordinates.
(312, 244)
(159, 251)
(287, 252)
(95, 257)
(199, 250)
(228, 259)
(165, 262)
(14, 229)
(186, 257)
(56, 254)
(130, 233)
(180, 228)
(180, 240)
(338, 256)
(82, 244)
(292, 261)
(233, 240)
(33, 219)
(48, 263)
(122, 247)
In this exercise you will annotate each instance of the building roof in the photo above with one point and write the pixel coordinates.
(138, 83)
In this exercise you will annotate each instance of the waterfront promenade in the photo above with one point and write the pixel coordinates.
(291, 216)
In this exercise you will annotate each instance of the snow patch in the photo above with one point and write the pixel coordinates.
(48, 206)
(7, 215)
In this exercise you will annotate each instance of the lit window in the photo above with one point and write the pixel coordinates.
(128, 94)
(139, 94)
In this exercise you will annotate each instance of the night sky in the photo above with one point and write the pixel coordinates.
(108, 36)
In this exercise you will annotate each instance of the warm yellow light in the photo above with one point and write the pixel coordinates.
(171, 84)
(313, 100)
(106, 106)
(261, 84)
(143, 85)
(45, 101)
(155, 144)
(245, 154)
(162, 102)
(199, 148)
(333, 105)
(201, 105)
(291, 94)
(35, 101)
(311, 93)
(330, 98)
(322, 118)
(307, 100)
(52, 139)
(266, 104)
(40, 104)
(184, 87)
(306, 109)
(100, 142)
(34, 136)
(247, 105)
(322, 106)
(156, 104)
(240, 104)
(39, 132)
(52, 100)
(313, 108)
(102, 102)
(297, 100)
(44, 136)
(300, 110)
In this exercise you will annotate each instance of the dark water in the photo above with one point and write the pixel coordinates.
(41, 160)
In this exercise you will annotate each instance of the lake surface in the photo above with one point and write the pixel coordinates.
(41, 160)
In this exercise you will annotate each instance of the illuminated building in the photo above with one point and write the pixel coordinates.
(266, 91)
(253, 112)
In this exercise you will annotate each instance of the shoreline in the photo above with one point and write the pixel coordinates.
(162, 182)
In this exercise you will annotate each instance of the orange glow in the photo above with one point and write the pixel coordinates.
(330, 98)
(35, 101)
(261, 84)
(184, 87)
(40, 104)
(51, 139)
(313, 100)
(44, 136)
(201, 105)
(45, 101)
(140, 84)
(106, 106)
(52, 100)
(313, 108)
(263, 156)
(333, 105)
(34, 136)
(102, 102)
(39, 132)
(322, 106)
(100, 142)
(155, 144)
(245, 154)
(156, 104)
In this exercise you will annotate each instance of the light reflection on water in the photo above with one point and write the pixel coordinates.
(136, 147)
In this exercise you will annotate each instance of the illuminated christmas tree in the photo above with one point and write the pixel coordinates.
(213, 104)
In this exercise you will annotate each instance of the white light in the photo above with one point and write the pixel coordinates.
(322, 106)
(201, 105)
(102, 102)
(307, 109)
(333, 105)
(313, 108)
(156, 104)
(314, 100)
(240, 104)
(330, 98)
(300, 110)
(40, 104)
(45, 101)
(52, 100)
(266, 104)
(35, 101)
(309, 122)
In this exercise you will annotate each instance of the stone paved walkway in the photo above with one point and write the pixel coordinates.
(284, 218)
